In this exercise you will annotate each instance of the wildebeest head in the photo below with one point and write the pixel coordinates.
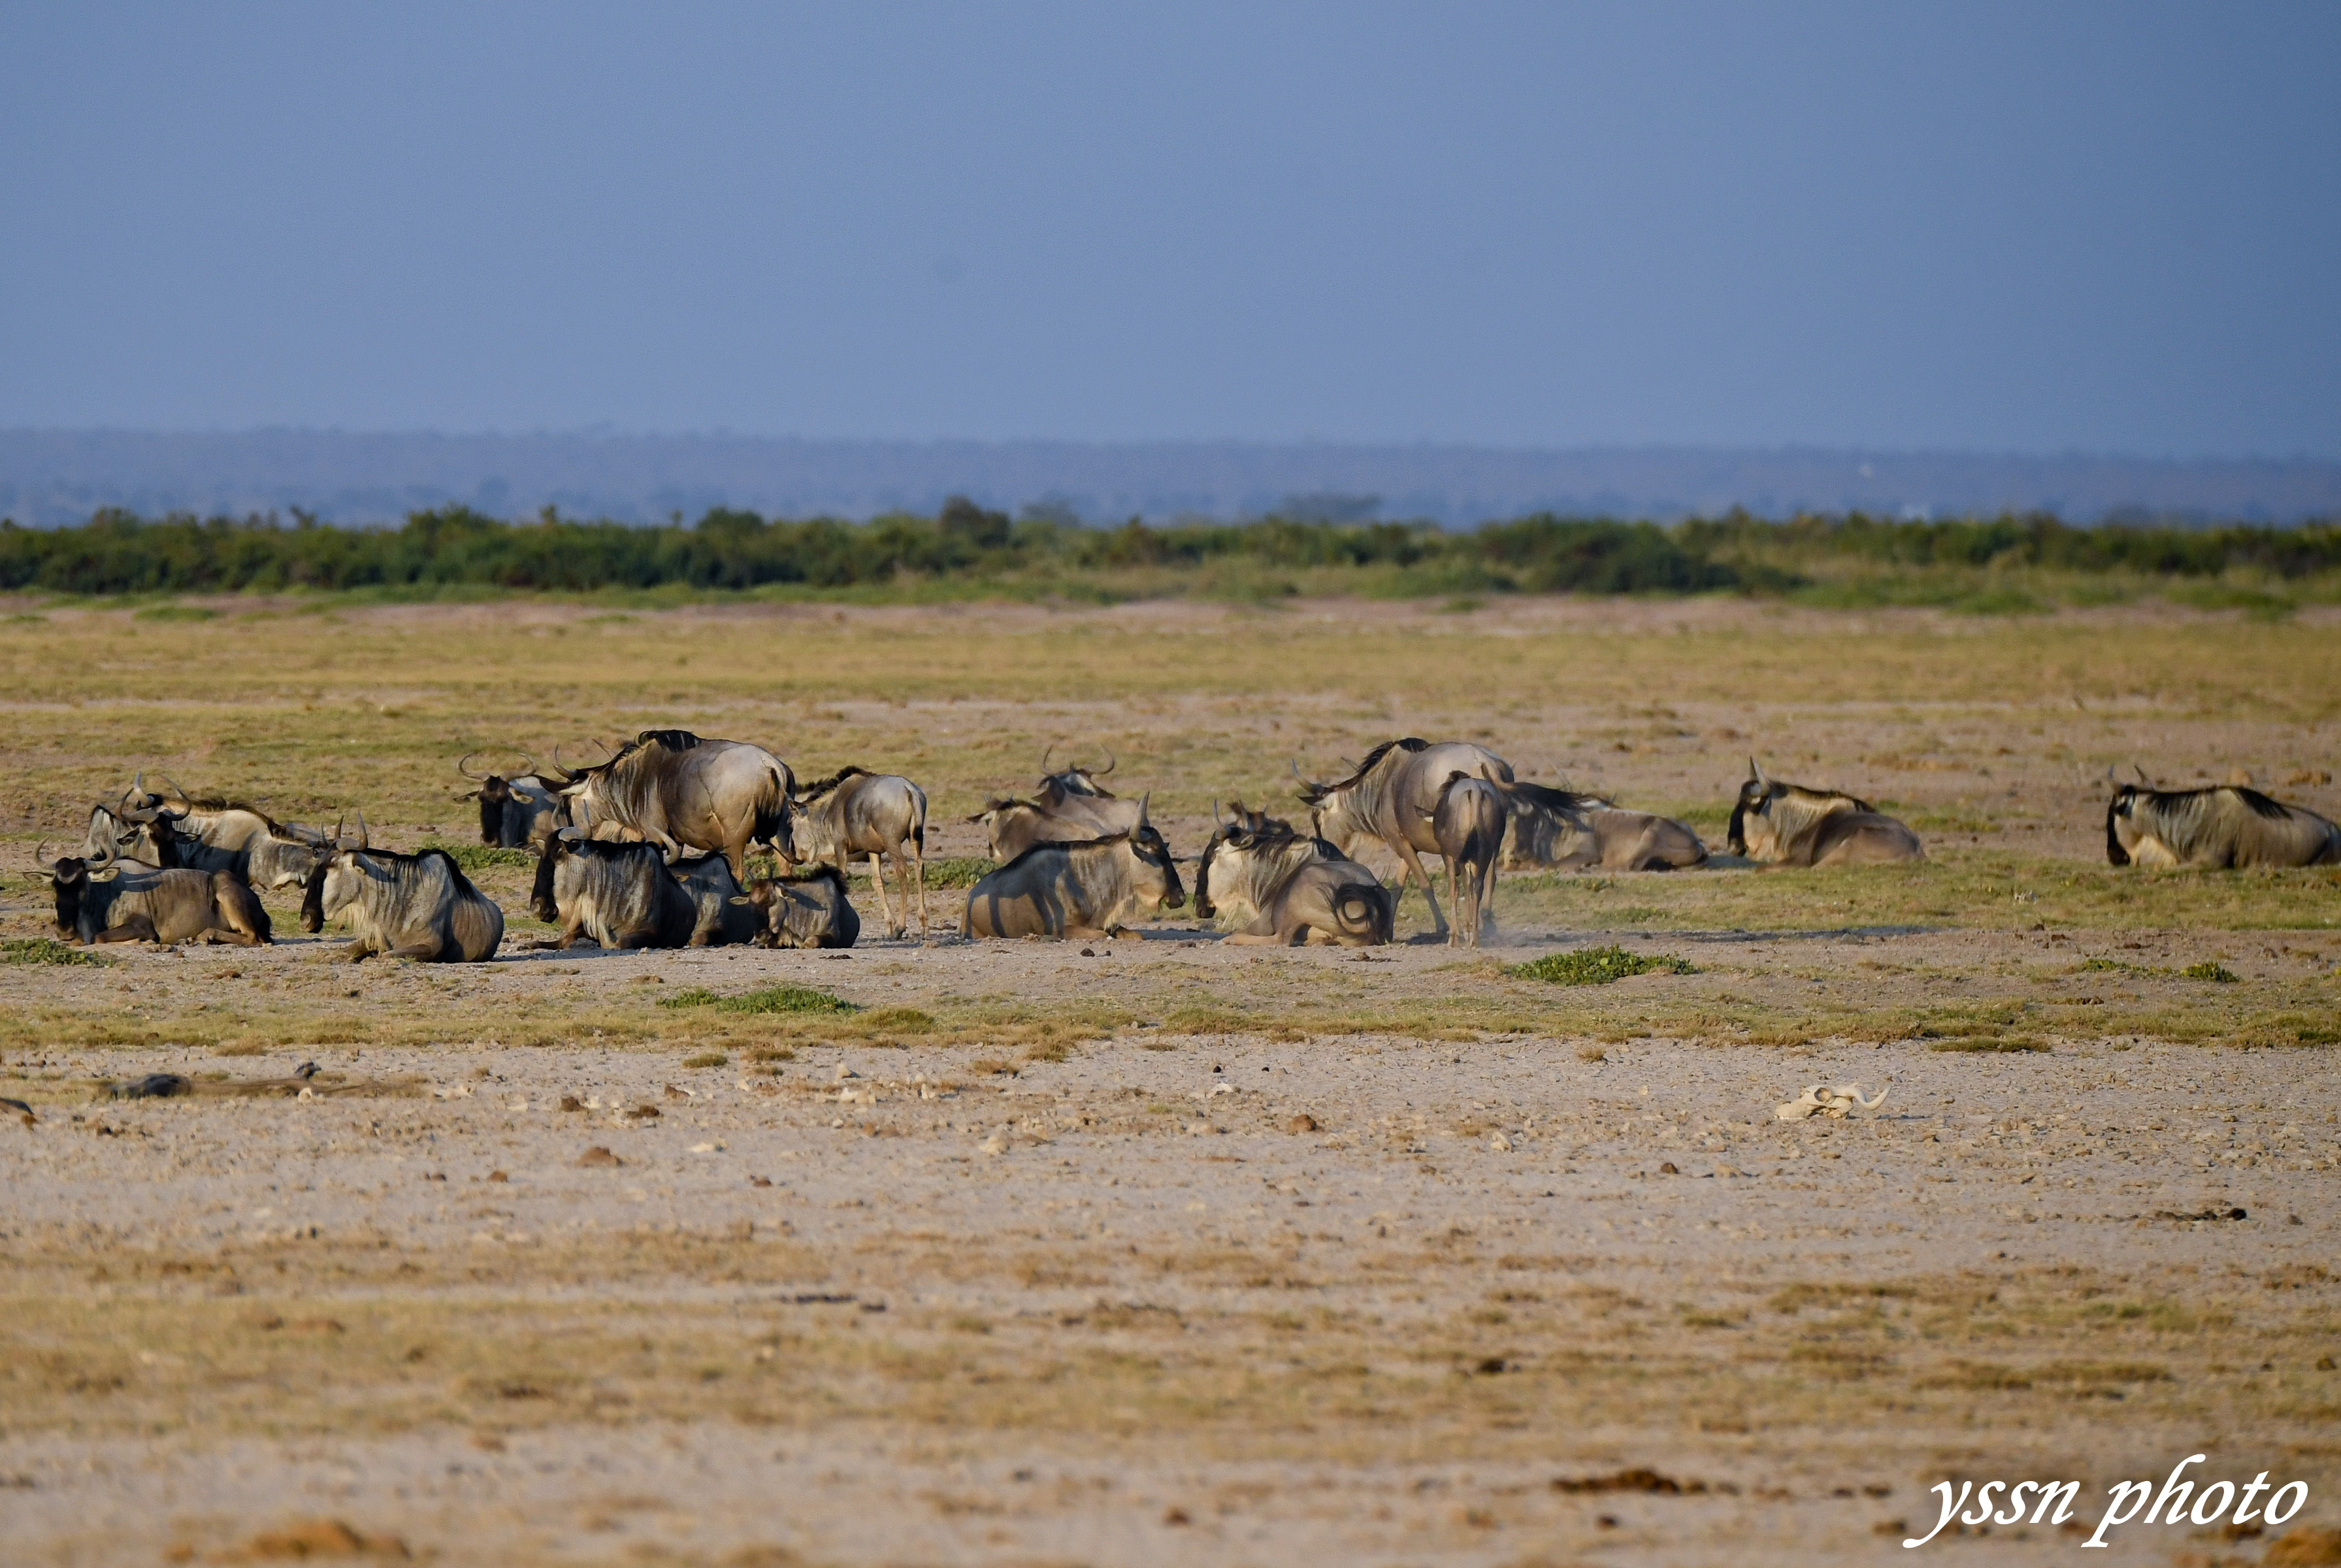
(1756, 798)
(333, 881)
(68, 877)
(558, 846)
(1244, 829)
(1159, 875)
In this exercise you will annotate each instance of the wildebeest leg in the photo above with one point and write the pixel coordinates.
(357, 951)
(878, 881)
(1085, 933)
(137, 928)
(902, 874)
(416, 952)
(228, 933)
(1413, 868)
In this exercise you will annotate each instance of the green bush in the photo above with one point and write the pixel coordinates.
(478, 856)
(771, 999)
(43, 950)
(1598, 966)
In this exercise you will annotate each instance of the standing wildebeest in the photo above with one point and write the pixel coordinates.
(2220, 826)
(679, 792)
(142, 905)
(1287, 889)
(1566, 831)
(1080, 890)
(627, 895)
(807, 911)
(219, 835)
(520, 811)
(1390, 798)
(855, 812)
(1788, 824)
(418, 907)
(1469, 824)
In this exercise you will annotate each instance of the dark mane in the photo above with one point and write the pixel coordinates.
(2262, 805)
(1049, 845)
(1317, 792)
(820, 787)
(1551, 799)
(818, 874)
(672, 740)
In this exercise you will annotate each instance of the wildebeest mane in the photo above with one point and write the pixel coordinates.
(808, 793)
(1318, 792)
(1551, 799)
(1048, 845)
(672, 740)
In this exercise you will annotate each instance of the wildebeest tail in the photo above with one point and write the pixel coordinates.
(1362, 911)
(772, 813)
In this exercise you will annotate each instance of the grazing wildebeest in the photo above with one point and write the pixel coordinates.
(680, 792)
(1287, 889)
(1469, 824)
(1788, 824)
(214, 834)
(810, 910)
(418, 907)
(627, 895)
(1080, 890)
(1566, 831)
(145, 905)
(2220, 826)
(855, 812)
(520, 811)
(1390, 798)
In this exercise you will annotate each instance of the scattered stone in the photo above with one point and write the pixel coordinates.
(1819, 1099)
(309, 1538)
(1668, 1169)
(842, 1073)
(2203, 1214)
(1303, 1122)
(1500, 1143)
(599, 1155)
(997, 1143)
(498, 1176)
(572, 1103)
(1175, 1516)
(1640, 1479)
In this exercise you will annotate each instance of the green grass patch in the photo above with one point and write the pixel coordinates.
(1598, 966)
(898, 1021)
(707, 1059)
(479, 857)
(2212, 970)
(959, 870)
(771, 999)
(1984, 1044)
(43, 950)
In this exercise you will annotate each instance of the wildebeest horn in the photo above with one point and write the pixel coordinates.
(138, 783)
(1756, 771)
(1046, 751)
(1216, 820)
(1141, 806)
(2141, 774)
(104, 858)
(1110, 762)
(362, 829)
(462, 768)
(47, 865)
(177, 787)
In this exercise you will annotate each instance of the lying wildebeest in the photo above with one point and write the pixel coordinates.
(855, 812)
(628, 895)
(522, 811)
(418, 907)
(1080, 890)
(2220, 826)
(1788, 824)
(810, 910)
(1469, 824)
(1287, 889)
(1565, 830)
(1391, 798)
(144, 904)
(680, 792)
(214, 834)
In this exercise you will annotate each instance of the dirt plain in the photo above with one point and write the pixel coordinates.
(1166, 1252)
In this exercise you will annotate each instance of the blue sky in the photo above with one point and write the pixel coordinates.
(2022, 227)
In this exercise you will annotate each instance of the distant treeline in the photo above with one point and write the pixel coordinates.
(117, 552)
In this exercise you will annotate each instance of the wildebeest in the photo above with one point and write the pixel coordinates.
(141, 903)
(2220, 826)
(1782, 823)
(1080, 890)
(418, 907)
(809, 910)
(1390, 798)
(1288, 889)
(627, 895)
(680, 792)
(856, 812)
(1566, 831)
(214, 834)
(1068, 807)
(1469, 824)
(520, 811)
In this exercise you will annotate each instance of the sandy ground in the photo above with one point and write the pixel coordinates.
(914, 1202)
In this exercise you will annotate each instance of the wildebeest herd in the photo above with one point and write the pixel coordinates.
(649, 848)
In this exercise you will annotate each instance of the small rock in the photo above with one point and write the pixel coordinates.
(759, 1181)
(1668, 1169)
(1176, 1516)
(842, 1073)
(599, 1155)
(1304, 1123)
(572, 1103)
(995, 1144)
(1223, 1089)
(1500, 1143)
(498, 1176)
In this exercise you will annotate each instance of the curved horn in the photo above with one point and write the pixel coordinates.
(138, 783)
(1216, 820)
(2141, 774)
(362, 829)
(462, 768)
(1756, 772)
(1141, 807)
(1046, 751)
(1110, 762)
(104, 858)
(177, 787)
(47, 865)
